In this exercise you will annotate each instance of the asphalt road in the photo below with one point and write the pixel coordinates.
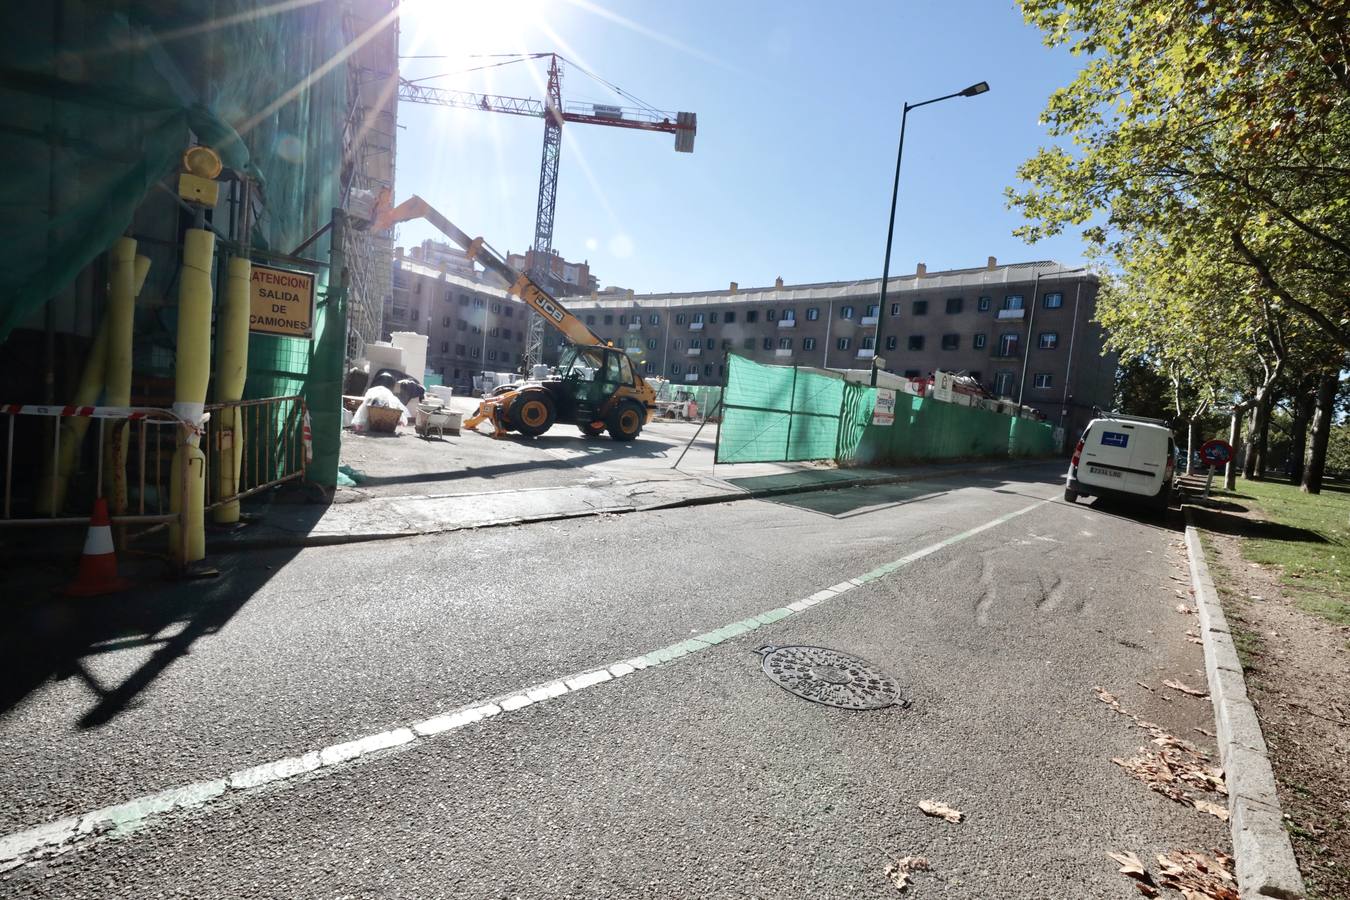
(697, 778)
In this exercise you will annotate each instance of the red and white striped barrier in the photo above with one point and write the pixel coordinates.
(92, 412)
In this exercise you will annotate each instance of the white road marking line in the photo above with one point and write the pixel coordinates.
(20, 846)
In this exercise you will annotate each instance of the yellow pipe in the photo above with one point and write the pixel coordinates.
(120, 318)
(231, 370)
(192, 370)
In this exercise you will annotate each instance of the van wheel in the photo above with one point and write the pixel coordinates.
(625, 423)
(1070, 496)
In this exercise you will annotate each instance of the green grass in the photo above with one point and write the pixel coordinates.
(1316, 572)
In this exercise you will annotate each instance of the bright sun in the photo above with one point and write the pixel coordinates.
(460, 30)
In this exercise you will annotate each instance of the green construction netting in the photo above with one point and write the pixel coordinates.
(99, 102)
(779, 414)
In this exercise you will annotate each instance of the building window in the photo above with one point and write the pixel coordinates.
(707, 369)
(497, 308)
(461, 325)
(844, 343)
(748, 343)
(890, 342)
(445, 321)
(979, 341)
(492, 355)
(726, 343)
(479, 303)
(693, 368)
(1012, 301)
(954, 305)
(506, 356)
(506, 334)
(751, 315)
(463, 299)
(785, 343)
(768, 343)
(789, 315)
(812, 313)
(920, 308)
(985, 303)
(476, 329)
(623, 320)
(698, 317)
(609, 318)
(695, 343)
(415, 313)
(712, 318)
(590, 320)
(730, 316)
(459, 349)
(1049, 340)
(1007, 344)
(845, 312)
(808, 343)
(674, 368)
(1054, 301)
(679, 319)
(869, 342)
(474, 353)
(445, 346)
(494, 332)
(651, 343)
(721, 371)
(874, 311)
(951, 342)
(510, 312)
(649, 368)
(770, 315)
(654, 319)
(915, 342)
(1003, 383)
(677, 344)
(895, 309)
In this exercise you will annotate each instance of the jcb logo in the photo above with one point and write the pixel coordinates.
(549, 309)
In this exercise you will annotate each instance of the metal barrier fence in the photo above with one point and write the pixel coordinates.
(274, 447)
(272, 451)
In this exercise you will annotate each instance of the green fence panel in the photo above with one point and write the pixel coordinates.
(778, 414)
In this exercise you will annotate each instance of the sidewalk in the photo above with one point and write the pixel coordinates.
(412, 486)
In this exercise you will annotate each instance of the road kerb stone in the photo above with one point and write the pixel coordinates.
(1264, 856)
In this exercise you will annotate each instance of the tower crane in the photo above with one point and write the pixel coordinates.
(684, 125)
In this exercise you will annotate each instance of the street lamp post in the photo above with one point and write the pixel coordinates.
(972, 91)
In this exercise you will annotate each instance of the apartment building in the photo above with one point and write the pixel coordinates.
(471, 326)
(992, 322)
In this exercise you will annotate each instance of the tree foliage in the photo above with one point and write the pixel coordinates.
(1205, 138)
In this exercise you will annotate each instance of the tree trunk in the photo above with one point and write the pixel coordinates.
(1234, 439)
(1321, 432)
(1255, 466)
(1192, 429)
(1298, 434)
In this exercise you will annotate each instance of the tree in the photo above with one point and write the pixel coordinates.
(1222, 125)
(1142, 390)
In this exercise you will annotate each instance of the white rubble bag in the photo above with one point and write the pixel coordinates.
(380, 397)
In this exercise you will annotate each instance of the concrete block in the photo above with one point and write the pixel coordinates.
(1238, 726)
(618, 670)
(773, 615)
(589, 679)
(1249, 776)
(823, 595)
(1264, 855)
(519, 701)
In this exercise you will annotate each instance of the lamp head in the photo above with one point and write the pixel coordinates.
(975, 89)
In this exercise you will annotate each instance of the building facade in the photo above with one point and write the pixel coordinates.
(471, 326)
(566, 278)
(994, 323)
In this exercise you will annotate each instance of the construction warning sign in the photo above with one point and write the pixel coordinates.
(884, 411)
(281, 302)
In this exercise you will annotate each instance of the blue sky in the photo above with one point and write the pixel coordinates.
(798, 109)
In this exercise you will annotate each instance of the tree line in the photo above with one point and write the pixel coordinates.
(1203, 151)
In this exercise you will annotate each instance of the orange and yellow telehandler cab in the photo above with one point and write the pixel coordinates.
(595, 386)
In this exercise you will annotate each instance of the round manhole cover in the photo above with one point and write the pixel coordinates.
(830, 677)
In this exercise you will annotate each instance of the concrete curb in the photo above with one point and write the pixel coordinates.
(1265, 858)
(331, 540)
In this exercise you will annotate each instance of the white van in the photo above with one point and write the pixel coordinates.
(1123, 457)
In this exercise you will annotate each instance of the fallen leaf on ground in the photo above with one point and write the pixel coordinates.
(1144, 686)
(1184, 609)
(1195, 640)
(1185, 689)
(898, 872)
(1197, 876)
(1129, 864)
(940, 810)
(1214, 809)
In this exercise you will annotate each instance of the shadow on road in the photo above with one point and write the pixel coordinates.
(51, 637)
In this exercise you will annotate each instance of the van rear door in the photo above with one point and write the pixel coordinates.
(1124, 456)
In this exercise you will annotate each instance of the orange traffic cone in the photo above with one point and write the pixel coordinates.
(98, 566)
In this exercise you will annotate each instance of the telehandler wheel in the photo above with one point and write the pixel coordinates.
(589, 431)
(625, 422)
(533, 413)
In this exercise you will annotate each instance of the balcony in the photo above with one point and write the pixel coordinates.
(1005, 315)
(782, 353)
(868, 320)
(866, 354)
(692, 376)
(634, 326)
(787, 323)
(693, 351)
(695, 326)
